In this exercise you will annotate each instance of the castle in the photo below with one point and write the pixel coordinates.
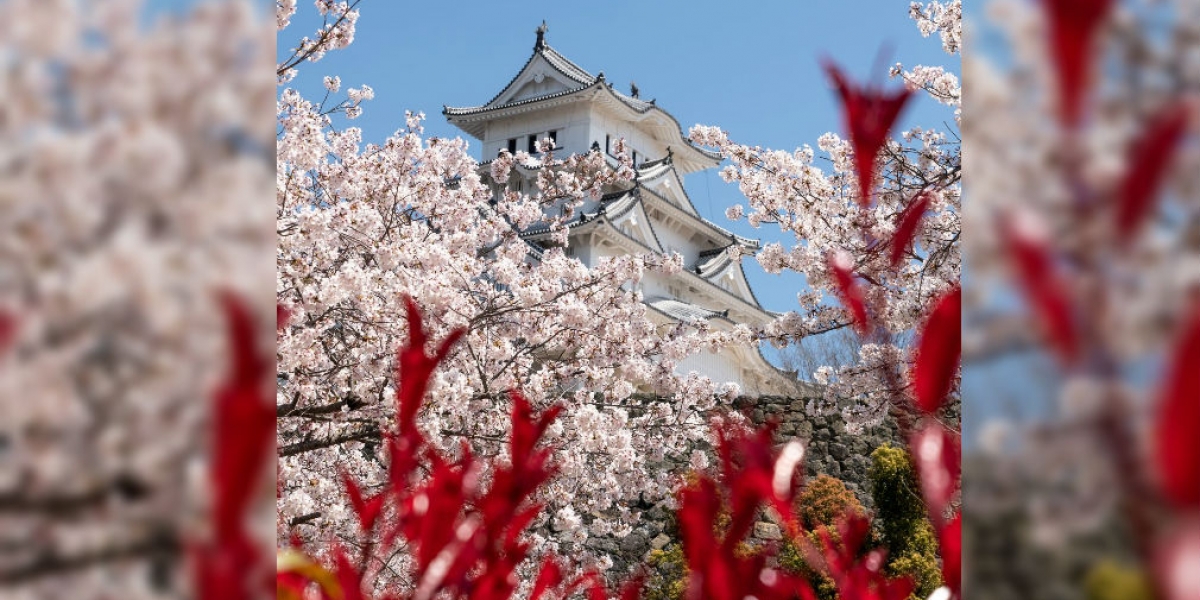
(552, 97)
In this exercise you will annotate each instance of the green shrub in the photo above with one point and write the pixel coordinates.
(900, 514)
(1111, 581)
(791, 560)
(821, 504)
(667, 574)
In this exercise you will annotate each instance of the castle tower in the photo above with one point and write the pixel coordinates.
(552, 97)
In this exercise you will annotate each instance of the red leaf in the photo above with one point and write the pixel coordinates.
(282, 314)
(869, 115)
(950, 540)
(244, 423)
(366, 509)
(1148, 162)
(935, 453)
(414, 368)
(1073, 27)
(1044, 290)
(348, 576)
(1175, 560)
(1177, 439)
(907, 229)
(549, 577)
(938, 352)
(850, 294)
(632, 590)
(8, 330)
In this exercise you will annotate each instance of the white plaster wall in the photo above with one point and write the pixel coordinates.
(570, 120)
(601, 124)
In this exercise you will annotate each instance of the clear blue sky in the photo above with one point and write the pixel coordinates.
(752, 68)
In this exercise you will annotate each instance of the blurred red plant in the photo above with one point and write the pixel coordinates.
(870, 115)
(938, 352)
(231, 565)
(1149, 159)
(906, 229)
(1073, 28)
(851, 293)
(1177, 443)
(1162, 519)
(466, 541)
(1043, 286)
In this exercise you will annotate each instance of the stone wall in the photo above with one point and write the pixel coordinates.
(829, 450)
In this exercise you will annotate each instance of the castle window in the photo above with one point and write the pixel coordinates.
(607, 144)
(532, 144)
(554, 137)
(512, 145)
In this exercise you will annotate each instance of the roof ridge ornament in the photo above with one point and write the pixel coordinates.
(540, 44)
(633, 89)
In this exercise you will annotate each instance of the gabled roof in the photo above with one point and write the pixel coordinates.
(573, 83)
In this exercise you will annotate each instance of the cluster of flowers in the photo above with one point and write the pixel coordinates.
(361, 224)
(889, 211)
(468, 539)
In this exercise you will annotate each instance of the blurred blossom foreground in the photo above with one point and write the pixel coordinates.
(1082, 339)
(135, 161)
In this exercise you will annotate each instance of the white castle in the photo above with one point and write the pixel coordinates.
(552, 97)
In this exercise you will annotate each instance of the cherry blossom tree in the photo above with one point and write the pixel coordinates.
(904, 193)
(136, 143)
(362, 225)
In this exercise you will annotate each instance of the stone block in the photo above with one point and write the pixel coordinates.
(767, 531)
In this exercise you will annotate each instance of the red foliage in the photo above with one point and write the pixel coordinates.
(935, 453)
(1177, 439)
(851, 295)
(8, 330)
(861, 578)
(950, 539)
(1148, 162)
(1174, 562)
(282, 315)
(414, 368)
(244, 434)
(907, 228)
(869, 115)
(1044, 290)
(718, 570)
(938, 352)
(465, 540)
(1073, 28)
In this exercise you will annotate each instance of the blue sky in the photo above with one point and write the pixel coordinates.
(752, 69)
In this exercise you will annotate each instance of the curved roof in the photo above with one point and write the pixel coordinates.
(685, 311)
(580, 85)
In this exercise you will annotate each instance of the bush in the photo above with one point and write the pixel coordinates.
(667, 574)
(823, 502)
(791, 559)
(905, 529)
(1109, 580)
